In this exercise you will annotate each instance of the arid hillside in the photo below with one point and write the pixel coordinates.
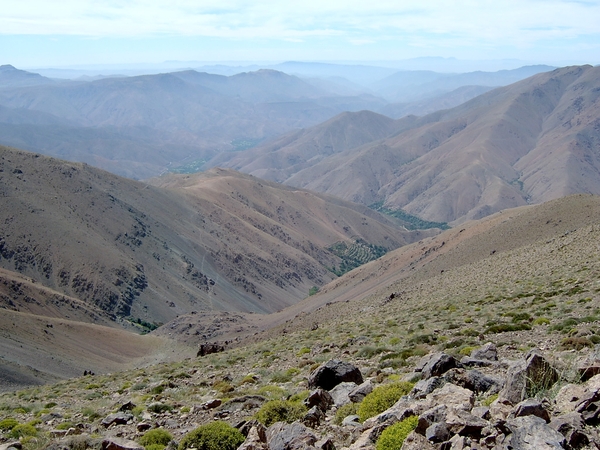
(529, 142)
(133, 252)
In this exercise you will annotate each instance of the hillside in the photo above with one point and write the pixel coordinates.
(525, 143)
(132, 251)
(522, 279)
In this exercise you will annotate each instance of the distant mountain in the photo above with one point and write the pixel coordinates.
(110, 250)
(410, 86)
(142, 126)
(528, 142)
(11, 77)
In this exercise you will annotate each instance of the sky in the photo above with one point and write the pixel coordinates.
(42, 33)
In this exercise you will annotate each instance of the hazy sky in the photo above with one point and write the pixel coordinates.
(42, 33)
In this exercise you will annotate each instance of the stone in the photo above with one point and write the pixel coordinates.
(119, 418)
(325, 444)
(482, 412)
(340, 393)
(415, 441)
(313, 417)
(438, 364)
(127, 406)
(588, 371)
(464, 423)
(487, 352)
(11, 444)
(294, 436)
(143, 426)
(319, 398)
(437, 432)
(351, 420)
(256, 438)
(531, 407)
(211, 404)
(332, 373)
(360, 392)
(527, 377)
(571, 426)
(474, 380)
(208, 349)
(115, 443)
(437, 414)
(532, 433)
(452, 396)
(424, 387)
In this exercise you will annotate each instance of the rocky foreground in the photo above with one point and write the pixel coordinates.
(478, 402)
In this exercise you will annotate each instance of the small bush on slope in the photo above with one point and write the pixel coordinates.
(158, 436)
(217, 435)
(280, 411)
(393, 437)
(382, 398)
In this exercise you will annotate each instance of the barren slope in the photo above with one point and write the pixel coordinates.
(529, 142)
(214, 241)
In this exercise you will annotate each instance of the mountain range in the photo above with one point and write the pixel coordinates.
(145, 125)
(528, 142)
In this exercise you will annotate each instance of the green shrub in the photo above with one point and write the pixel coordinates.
(575, 343)
(303, 351)
(505, 327)
(156, 437)
(393, 436)
(348, 409)
(64, 425)
(489, 400)
(8, 424)
(382, 398)
(23, 430)
(273, 392)
(280, 411)
(217, 435)
(541, 321)
(159, 408)
(155, 447)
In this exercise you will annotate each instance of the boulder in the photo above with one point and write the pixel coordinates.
(256, 438)
(313, 417)
(487, 352)
(424, 387)
(527, 377)
(115, 443)
(294, 436)
(571, 426)
(332, 373)
(319, 398)
(208, 349)
(415, 441)
(532, 433)
(351, 421)
(474, 380)
(119, 418)
(11, 444)
(531, 407)
(437, 432)
(341, 392)
(360, 392)
(452, 396)
(436, 364)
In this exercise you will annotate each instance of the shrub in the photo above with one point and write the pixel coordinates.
(23, 430)
(541, 321)
(575, 343)
(8, 424)
(348, 409)
(64, 425)
(280, 411)
(157, 436)
(382, 398)
(159, 408)
(489, 400)
(217, 435)
(393, 436)
(505, 327)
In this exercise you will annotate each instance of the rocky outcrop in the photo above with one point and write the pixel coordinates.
(332, 373)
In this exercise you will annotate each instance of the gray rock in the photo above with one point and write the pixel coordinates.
(143, 426)
(115, 443)
(119, 418)
(319, 398)
(424, 387)
(488, 352)
(340, 393)
(481, 411)
(332, 373)
(313, 417)
(527, 377)
(437, 432)
(325, 444)
(464, 423)
(437, 364)
(351, 421)
(294, 436)
(256, 438)
(360, 392)
(11, 444)
(532, 433)
(531, 407)
(437, 414)
(571, 426)
(474, 380)
(415, 441)
(211, 404)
